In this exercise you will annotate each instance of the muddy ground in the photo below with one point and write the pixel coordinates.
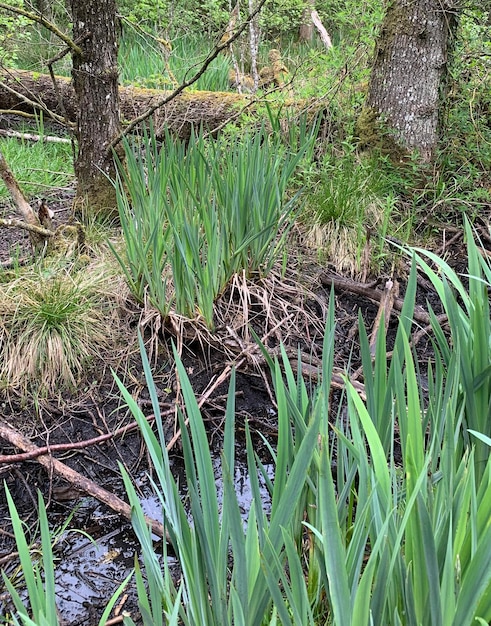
(88, 573)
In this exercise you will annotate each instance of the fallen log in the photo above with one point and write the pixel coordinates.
(19, 89)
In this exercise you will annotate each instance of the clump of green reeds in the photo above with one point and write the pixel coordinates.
(195, 214)
(378, 516)
(396, 507)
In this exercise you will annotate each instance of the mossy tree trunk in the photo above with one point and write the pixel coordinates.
(409, 72)
(95, 81)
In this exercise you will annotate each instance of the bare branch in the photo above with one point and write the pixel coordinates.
(75, 479)
(32, 228)
(38, 239)
(23, 206)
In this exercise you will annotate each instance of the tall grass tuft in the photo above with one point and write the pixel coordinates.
(55, 321)
(194, 215)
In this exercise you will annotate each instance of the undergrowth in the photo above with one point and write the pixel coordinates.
(42, 168)
(359, 530)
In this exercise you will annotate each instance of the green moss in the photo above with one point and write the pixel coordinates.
(373, 134)
(368, 128)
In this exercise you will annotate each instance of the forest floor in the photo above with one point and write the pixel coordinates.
(88, 572)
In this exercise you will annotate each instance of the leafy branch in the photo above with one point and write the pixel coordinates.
(37, 17)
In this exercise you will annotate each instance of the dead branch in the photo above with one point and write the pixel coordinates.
(345, 284)
(76, 445)
(23, 207)
(323, 34)
(78, 481)
(32, 137)
(390, 292)
(32, 228)
(33, 104)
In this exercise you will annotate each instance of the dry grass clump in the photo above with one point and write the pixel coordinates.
(56, 319)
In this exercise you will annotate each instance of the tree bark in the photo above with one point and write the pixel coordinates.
(306, 31)
(191, 108)
(409, 71)
(95, 81)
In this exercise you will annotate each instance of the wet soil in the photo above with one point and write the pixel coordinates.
(88, 571)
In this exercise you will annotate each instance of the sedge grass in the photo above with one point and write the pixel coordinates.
(56, 319)
(351, 206)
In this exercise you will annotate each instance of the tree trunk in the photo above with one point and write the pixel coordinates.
(306, 31)
(408, 74)
(95, 80)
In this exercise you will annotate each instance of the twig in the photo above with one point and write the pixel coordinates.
(38, 240)
(36, 105)
(11, 263)
(53, 60)
(215, 384)
(385, 309)
(80, 482)
(446, 244)
(36, 17)
(72, 445)
(186, 83)
(17, 113)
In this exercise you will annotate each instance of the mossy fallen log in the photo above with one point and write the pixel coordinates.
(19, 89)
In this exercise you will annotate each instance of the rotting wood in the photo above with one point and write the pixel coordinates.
(345, 284)
(76, 479)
